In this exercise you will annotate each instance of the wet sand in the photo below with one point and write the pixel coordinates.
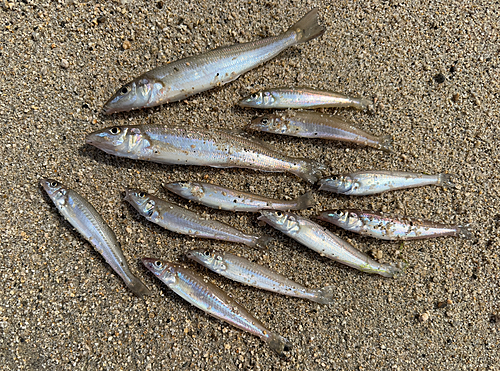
(432, 70)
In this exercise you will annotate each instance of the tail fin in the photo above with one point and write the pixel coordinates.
(464, 231)
(387, 270)
(305, 201)
(324, 295)
(444, 180)
(361, 103)
(310, 170)
(261, 241)
(138, 287)
(278, 343)
(385, 143)
(308, 28)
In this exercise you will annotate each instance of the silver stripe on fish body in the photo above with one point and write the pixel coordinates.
(324, 242)
(223, 198)
(317, 125)
(244, 271)
(212, 300)
(305, 98)
(370, 182)
(87, 221)
(185, 77)
(202, 147)
(178, 219)
(390, 227)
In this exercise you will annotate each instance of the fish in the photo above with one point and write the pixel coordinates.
(304, 98)
(87, 221)
(224, 198)
(180, 220)
(324, 242)
(188, 76)
(202, 147)
(305, 124)
(244, 271)
(390, 227)
(212, 300)
(370, 182)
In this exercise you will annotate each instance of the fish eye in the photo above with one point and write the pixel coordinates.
(338, 212)
(53, 183)
(158, 264)
(125, 90)
(114, 130)
(279, 213)
(141, 194)
(265, 121)
(254, 96)
(206, 253)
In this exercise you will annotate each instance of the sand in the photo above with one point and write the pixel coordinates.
(432, 69)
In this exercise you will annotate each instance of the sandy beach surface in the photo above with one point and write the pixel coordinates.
(432, 70)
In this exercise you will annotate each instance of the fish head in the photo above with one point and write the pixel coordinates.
(255, 100)
(54, 189)
(209, 258)
(141, 201)
(162, 269)
(337, 216)
(281, 220)
(187, 190)
(268, 123)
(338, 183)
(136, 94)
(117, 138)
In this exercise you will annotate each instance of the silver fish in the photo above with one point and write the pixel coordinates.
(212, 300)
(305, 98)
(244, 271)
(86, 220)
(324, 242)
(370, 182)
(317, 125)
(181, 146)
(178, 219)
(185, 77)
(390, 227)
(223, 198)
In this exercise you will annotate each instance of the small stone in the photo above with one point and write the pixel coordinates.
(64, 63)
(126, 45)
(377, 254)
(455, 97)
(439, 78)
(424, 317)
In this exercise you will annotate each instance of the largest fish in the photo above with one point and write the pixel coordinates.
(185, 77)
(184, 146)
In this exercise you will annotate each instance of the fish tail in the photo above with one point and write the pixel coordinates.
(361, 103)
(307, 28)
(387, 270)
(310, 170)
(278, 343)
(305, 201)
(464, 231)
(138, 287)
(444, 180)
(324, 295)
(261, 241)
(385, 143)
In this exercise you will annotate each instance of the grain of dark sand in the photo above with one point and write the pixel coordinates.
(432, 69)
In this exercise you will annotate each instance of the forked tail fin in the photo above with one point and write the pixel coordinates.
(308, 28)
(324, 295)
(278, 343)
(310, 170)
(444, 180)
(138, 288)
(464, 231)
(385, 143)
(261, 241)
(361, 103)
(305, 201)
